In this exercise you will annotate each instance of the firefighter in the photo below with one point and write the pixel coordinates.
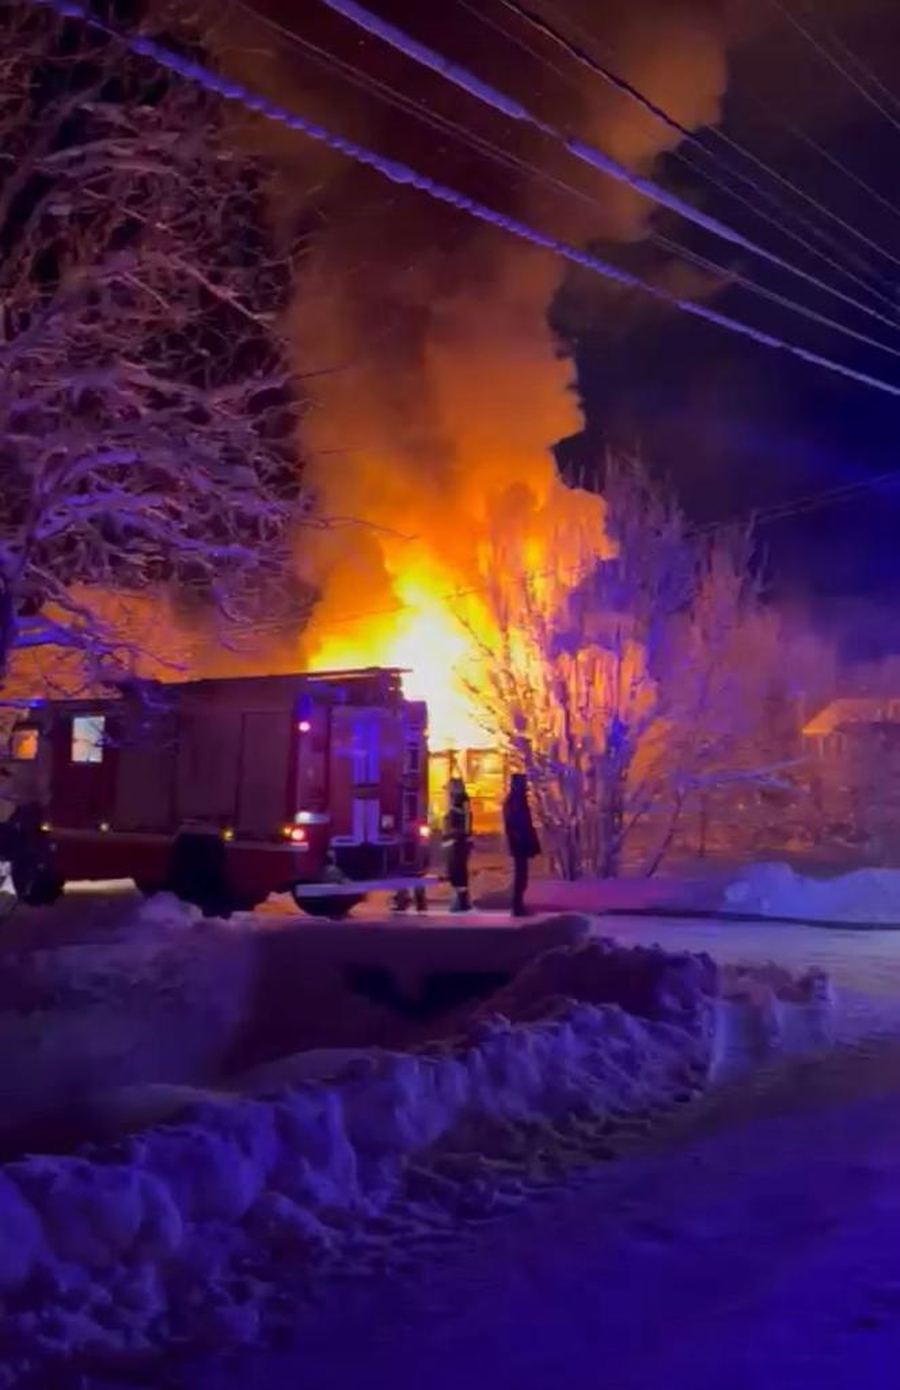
(521, 837)
(457, 842)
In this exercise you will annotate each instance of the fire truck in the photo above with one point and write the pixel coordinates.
(225, 791)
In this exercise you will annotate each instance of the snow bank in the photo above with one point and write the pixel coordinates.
(102, 994)
(739, 1015)
(105, 995)
(117, 1251)
(777, 890)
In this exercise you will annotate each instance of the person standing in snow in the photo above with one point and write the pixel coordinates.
(457, 842)
(521, 837)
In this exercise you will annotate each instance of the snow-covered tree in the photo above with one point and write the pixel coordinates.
(145, 400)
(629, 685)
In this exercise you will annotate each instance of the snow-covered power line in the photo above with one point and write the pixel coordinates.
(722, 172)
(383, 91)
(729, 276)
(401, 173)
(658, 112)
(834, 62)
(400, 100)
(588, 154)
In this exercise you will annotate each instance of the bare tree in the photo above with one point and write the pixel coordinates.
(627, 684)
(145, 402)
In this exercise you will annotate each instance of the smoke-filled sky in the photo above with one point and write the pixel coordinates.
(446, 389)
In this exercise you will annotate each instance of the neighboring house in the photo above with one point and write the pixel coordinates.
(855, 770)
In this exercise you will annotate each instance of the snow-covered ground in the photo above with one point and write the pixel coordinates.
(864, 967)
(865, 897)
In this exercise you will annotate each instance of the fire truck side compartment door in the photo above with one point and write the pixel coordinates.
(208, 751)
(366, 776)
(145, 778)
(355, 773)
(264, 773)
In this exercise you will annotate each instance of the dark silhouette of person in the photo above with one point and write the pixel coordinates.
(457, 842)
(521, 837)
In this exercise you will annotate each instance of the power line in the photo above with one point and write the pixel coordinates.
(717, 182)
(588, 154)
(401, 173)
(809, 502)
(684, 253)
(382, 90)
(806, 139)
(864, 69)
(813, 501)
(627, 88)
(828, 57)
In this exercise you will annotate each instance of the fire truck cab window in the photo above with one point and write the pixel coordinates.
(24, 745)
(87, 738)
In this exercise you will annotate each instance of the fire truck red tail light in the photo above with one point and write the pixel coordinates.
(304, 726)
(424, 832)
(295, 833)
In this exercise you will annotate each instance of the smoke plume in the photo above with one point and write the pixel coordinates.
(438, 389)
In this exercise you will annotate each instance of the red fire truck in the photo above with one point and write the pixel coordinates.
(224, 791)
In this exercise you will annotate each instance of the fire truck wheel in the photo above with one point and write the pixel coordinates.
(335, 909)
(197, 874)
(34, 883)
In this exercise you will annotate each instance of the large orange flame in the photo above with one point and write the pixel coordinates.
(445, 458)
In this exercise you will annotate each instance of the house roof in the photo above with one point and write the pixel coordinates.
(871, 709)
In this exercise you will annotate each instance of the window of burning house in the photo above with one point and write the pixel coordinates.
(24, 745)
(87, 738)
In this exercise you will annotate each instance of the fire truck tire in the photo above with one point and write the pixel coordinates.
(335, 909)
(197, 874)
(34, 883)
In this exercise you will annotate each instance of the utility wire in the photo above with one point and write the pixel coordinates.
(588, 154)
(828, 57)
(802, 506)
(401, 173)
(382, 90)
(773, 198)
(824, 153)
(866, 71)
(694, 143)
(734, 277)
(621, 84)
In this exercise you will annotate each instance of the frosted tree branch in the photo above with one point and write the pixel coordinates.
(146, 406)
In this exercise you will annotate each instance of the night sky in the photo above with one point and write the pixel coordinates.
(733, 426)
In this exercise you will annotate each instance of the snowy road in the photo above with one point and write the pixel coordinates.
(754, 1245)
(758, 1248)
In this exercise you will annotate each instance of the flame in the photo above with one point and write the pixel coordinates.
(426, 640)
(443, 618)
